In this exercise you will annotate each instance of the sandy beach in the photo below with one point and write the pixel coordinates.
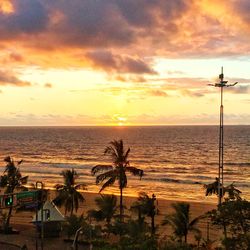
(28, 235)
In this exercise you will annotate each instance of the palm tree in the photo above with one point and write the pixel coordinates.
(12, 180)
(116, 171)
(180, 220)
(145, 205)
(107, 208)
(232, 192)
(212, 188)
(68, 194)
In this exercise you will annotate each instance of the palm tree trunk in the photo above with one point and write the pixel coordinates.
(7, 224)
(185, 238)
(121, 205)
(225, 230)
(152, 225)
(72, 208)
(140, 220)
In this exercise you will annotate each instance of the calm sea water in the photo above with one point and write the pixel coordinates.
(177, 160)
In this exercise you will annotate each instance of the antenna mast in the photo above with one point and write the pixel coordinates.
(221, 85)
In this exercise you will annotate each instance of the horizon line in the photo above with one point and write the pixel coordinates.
(122, 126)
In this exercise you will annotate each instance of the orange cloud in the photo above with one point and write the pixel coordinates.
(77, 33)
(48, 85)
(121, 63)
(6, 6)
(7, 78)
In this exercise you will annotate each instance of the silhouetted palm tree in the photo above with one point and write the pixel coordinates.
(180, 220)
(68, 194)
(145, 205)
(107, 208)
(232, 192)
(212, 188)
(12, 180)
(117, 171)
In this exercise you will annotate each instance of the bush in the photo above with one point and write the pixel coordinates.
(73, 223)
(234, 218)
(173, 245)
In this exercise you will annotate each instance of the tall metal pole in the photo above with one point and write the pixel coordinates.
(220, 180)
(42, 226)
(221, 142)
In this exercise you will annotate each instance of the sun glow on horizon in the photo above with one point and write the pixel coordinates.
(120, 120)
(102, 75)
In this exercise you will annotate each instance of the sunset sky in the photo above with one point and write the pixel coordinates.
(123, 62)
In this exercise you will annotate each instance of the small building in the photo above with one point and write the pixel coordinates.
(52, 220)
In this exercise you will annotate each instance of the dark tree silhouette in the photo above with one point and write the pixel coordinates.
(180, 220)
(145, 206)
(232, 192)
(117, 171)
(12, 180)
(67, 193)
(106, 208)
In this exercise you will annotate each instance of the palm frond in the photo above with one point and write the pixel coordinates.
(143, 196)
(24, 180)
(101, 177)
(7, 159)
(79, 196)
(3, 180)
(108, 183)
(19, 162)
(126, 154)
(81, 186)
(135, 171)
(59, 186)
(196, 220)
(111, 151)
(100, 167)
(59, 200)
(233, 192)
(212, 188)
(168, 220)
(69, 176)
(116, 151)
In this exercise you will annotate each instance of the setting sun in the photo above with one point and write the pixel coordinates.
(119, 120)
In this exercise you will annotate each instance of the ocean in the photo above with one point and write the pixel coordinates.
(177, 160)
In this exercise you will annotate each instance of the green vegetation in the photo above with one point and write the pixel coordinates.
(107, 208)
(233, 216)
(11, 180)
(232, 192)
(180, 220)
(73, 223)
(145, 206)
